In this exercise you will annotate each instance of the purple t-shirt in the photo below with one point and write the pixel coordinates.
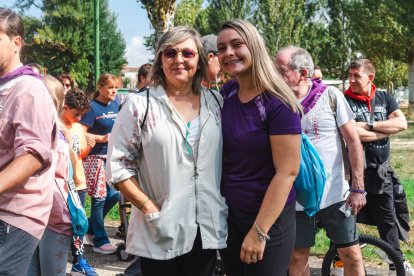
(247, 156)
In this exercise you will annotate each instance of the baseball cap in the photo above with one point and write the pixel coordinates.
(210, 43)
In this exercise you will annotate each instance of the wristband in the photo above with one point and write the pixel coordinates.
(143, 204)
(358, 191)
(262, 236)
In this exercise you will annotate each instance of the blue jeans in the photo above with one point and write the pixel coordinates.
(100, 207)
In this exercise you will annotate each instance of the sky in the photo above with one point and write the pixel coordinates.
(132, 21)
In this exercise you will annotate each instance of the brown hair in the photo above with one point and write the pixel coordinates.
(11, 23)
(75, 98)
(144, 70)
(366, 65)
(103, 80)
(175, 36)
(63, 77)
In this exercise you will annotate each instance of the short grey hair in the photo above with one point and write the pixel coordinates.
(299, 59)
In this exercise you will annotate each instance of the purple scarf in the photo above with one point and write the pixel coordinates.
(315, 93)
(21, 71)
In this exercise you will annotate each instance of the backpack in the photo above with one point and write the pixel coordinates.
(310, 181)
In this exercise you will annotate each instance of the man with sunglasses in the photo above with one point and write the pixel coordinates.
(213, 68)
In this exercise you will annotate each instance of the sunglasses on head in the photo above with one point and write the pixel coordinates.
(172, 53)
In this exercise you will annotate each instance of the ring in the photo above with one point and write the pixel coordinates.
(253, 258)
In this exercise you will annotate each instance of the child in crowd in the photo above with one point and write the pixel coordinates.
(51, 260)
(76, 104)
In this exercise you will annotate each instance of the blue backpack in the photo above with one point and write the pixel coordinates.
(310, 182)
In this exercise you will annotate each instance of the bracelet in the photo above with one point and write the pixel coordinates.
(262, 236)
(358, 191)
(143, 204)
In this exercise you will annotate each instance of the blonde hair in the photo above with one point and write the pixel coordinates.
(56, 91)
(102, 81)
(171, 38)
(264, 73)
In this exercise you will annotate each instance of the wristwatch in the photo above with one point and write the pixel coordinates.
(370, 124)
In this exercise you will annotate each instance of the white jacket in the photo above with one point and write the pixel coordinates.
(187, 189)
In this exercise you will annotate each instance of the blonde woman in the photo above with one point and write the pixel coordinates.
(261, 155)
(59, 228)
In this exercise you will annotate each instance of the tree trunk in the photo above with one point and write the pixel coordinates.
(411, 87)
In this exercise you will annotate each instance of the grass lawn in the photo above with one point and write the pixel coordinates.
(402, 162)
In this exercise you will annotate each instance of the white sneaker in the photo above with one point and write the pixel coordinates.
(105, 249)
(89, 239)
(408, 269)
(337, 271)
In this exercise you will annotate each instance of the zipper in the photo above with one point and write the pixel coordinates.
(8, 229)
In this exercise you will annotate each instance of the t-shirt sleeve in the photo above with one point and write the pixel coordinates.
(343, 110)
(281, 119)
(392, 104)
(88, 119)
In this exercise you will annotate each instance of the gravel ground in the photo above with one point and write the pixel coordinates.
(105, 265)
(109, 265)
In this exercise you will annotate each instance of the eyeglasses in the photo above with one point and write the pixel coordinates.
(172, 53)
(67, 85)
(213, 52)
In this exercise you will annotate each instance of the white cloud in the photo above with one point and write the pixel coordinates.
(136, 52)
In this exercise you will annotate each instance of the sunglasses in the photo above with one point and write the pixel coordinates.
(67, 85)
(172, 53)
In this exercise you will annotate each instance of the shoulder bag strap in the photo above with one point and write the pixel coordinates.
(333, 102)
(146, 111)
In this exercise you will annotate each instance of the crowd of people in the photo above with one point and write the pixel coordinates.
(206, 150)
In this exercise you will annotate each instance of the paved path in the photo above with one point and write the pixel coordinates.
(109, 265)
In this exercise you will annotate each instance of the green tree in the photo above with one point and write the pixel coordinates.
(339, 45)
(187, 11)
(386, 32)
(280, 22)
(220, 11)
(65, 41)
(161, 14)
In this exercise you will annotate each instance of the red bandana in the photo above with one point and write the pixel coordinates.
(365, 99)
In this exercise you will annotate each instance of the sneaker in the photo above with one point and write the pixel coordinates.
(121, 232)
(89, 239)
(408, 269)
(337, 271)
(83, 268)
(105, 249)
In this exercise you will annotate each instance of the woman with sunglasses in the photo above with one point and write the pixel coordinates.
(66, 81)
(261, 155)
(166, 159)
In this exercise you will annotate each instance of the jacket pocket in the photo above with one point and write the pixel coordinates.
(4, 230)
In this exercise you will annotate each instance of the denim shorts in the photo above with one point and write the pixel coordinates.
(339, 228)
